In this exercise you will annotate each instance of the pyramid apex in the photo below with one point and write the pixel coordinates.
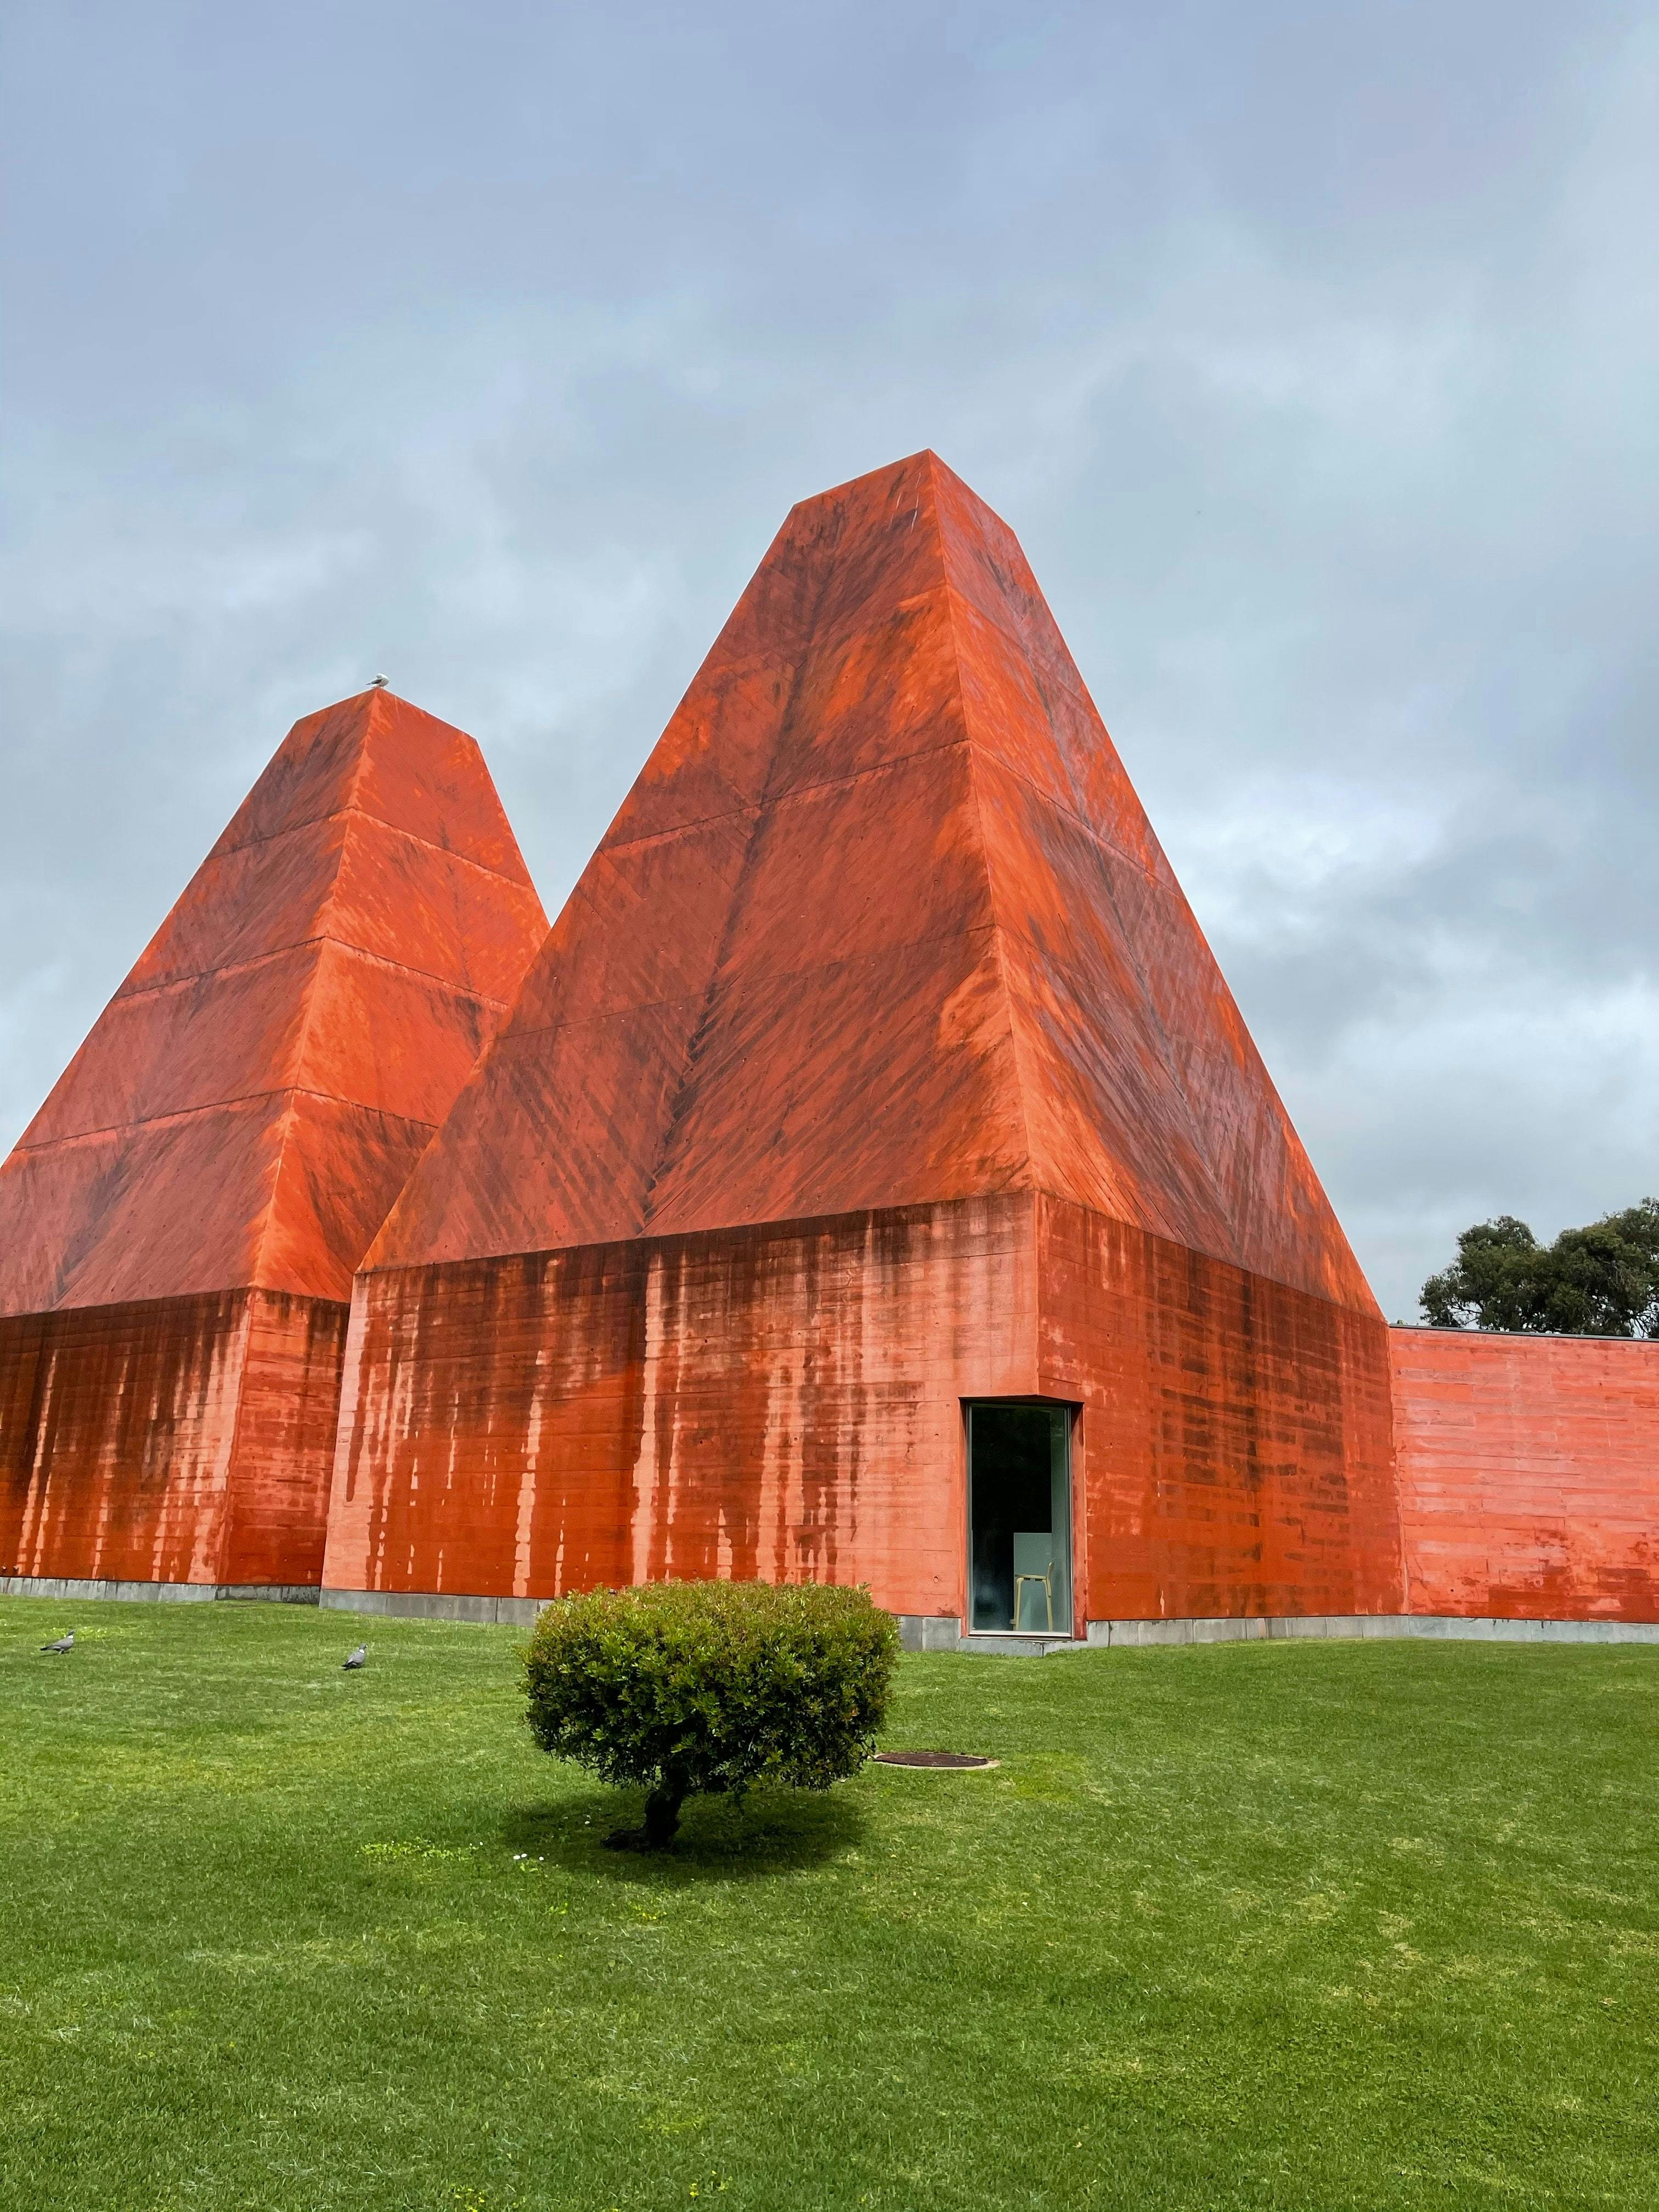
(923, 464)
(362, 700)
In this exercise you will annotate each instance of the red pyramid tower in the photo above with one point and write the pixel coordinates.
(179, 1224)
(876, 1066)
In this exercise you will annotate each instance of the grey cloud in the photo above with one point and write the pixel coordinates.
(1309, 350)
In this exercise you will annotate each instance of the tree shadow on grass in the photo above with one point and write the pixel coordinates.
(770, 1832)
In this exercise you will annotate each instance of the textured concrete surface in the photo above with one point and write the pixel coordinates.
(774, 1401)
(999, 1646)
(787, 1400)
(929, 1631)
(1233, 1452)
(933, 1632)
(1528, 1474)
(917, 1632)
(172, 1440)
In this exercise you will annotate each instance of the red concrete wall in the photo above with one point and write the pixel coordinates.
(1528, 1474)
(276, 1522)
(787, 1400)
(1233, 1455)
(118, 1438)
(177, 1440)
(781, 1401)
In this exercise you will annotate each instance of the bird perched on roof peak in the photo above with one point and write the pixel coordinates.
(377, 683)
(355, 1659)
(64, 1643)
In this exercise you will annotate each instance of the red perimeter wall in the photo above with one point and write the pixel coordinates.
(175, 1440)
(784, 1400)
(1528, 1474)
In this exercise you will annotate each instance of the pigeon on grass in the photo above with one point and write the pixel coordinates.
(64, 1643)
(358, 1658)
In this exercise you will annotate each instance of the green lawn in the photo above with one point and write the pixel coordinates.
(1299, 1926)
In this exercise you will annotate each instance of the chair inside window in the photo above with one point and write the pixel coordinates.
(1034, 1570)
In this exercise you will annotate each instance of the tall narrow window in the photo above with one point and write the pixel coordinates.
(1019, 1517)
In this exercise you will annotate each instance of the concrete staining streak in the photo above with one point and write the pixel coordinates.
(521, 1550)
(770, 1401)
(200, 1393)
(119, 1434)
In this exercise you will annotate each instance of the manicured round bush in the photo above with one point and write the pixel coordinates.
(688, 1686)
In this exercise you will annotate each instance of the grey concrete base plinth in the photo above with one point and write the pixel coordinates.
(928, 1631)
(65, 1586)
(1004, 1644)
(942, 1631)
(1277, 1627)
(438, 1605)
(918, 1631)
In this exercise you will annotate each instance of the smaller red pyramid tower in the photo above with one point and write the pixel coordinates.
(179, 1222)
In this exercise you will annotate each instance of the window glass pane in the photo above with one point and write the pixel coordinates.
(1019, 1517)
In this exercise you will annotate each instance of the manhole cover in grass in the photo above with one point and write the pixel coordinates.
(952, 1759)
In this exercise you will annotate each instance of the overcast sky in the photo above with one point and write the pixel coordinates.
(1312, 352)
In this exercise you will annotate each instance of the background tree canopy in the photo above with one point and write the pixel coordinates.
(1599, 1281)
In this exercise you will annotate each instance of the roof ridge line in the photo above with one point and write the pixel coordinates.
(183, 981)
(308, 1016)
(772, 975)
(215, 1106)
(255, 1260)
(684, 1089)
(1073, 814)
(1223, 1212)
(990, 883)
(353, 811)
